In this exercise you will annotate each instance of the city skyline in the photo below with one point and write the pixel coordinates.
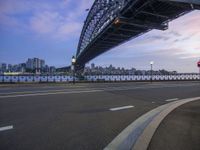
(50, 30)
(34, 62)
(31, 65)
(38, 66)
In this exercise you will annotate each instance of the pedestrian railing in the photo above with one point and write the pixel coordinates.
(96, 78)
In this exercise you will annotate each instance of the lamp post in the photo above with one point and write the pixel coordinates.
(47, 77)
(151, 63)
(198, 65)
(73, 68)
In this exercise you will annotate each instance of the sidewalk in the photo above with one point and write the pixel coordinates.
(180, 130)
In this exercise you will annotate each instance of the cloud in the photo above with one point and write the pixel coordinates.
(62, 19)
(45, 22)
(189, 57)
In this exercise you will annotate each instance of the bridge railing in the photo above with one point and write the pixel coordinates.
(29, 79)
(142, 77)
(95, 78)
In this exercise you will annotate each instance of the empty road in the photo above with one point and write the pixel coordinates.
(85, 116)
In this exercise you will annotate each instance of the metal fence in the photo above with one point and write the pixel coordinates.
(21, 78)
(143, 77)
(95, 78)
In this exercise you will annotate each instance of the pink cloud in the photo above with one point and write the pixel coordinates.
(188, 24)
(54, 19)
(54, 25)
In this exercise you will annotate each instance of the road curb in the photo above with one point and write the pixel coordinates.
(138, 134)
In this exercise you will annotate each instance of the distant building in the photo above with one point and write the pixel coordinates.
(32, 65)
(92, 66)
(52, 69)
(21, 67)
(111, 70)
(46, 69)
(42, 63)
(29, 64)
(15, 68)
(35, 64)
(10, 68)
(3, 67)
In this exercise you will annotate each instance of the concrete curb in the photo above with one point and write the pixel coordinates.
(138, 134)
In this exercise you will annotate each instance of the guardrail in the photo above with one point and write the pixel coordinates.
(95, 78)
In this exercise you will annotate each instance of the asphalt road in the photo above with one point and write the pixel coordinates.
(81, 116)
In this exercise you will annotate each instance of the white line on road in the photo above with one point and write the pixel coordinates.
(6, 128)
(35, 92)
(173, 99)
(53, 93)
(120, 108)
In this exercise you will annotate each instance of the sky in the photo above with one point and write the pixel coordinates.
(50, 30)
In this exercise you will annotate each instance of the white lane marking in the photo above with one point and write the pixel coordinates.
(173, 99)
(43, 94)
(120, 108)
(6, 128)
(67, 86)
(33, 92)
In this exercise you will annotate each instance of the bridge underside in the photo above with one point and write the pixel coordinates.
(136, 18)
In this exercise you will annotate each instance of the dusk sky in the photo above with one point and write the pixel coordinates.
(50, 29)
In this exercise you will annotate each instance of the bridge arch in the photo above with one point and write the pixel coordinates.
(112, 22)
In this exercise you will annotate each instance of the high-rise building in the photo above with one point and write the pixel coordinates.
(3, 67)
(92, 66)
(22, 67)
(29, 64)
(35, 64)
(15, 68)
(10, 68)
(46, 69)
(42, 63)
(52, 69)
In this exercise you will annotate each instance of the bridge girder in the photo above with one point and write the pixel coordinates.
(143, 24)
(194, 2)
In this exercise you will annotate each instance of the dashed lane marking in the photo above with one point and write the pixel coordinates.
(173, 99)
(6, 128)
(121, 108)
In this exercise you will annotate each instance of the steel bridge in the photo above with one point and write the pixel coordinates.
(112, 22)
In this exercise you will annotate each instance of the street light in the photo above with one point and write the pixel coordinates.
(198, 65)
(73, 68)
(151, 63)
